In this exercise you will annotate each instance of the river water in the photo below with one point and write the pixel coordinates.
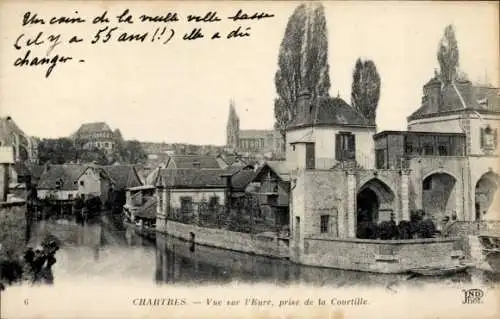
(109, 253)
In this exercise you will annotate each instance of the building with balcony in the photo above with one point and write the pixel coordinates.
(344, 173)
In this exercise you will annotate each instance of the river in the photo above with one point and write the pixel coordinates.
(107, 252)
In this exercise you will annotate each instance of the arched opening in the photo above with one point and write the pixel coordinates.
(486, 195)
(438, 195)
(374, 203)
(368, 205)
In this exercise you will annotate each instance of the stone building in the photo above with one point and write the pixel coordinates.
(343, 172)
(266, 142)
(25, 147)
(98, 135)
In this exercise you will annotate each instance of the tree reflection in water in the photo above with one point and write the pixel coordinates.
(106, 253)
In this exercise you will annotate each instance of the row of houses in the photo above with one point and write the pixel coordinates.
(187, 190)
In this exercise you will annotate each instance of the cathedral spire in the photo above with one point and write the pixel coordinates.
(233, 125)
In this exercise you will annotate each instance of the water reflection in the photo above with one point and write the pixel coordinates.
(102, 251)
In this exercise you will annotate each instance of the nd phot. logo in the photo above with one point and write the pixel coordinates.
(472, 296)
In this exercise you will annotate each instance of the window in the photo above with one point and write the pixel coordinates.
(324, 224)
(443, 150)
(310, 156)
(82, 183)
(428, 149)
(427, 184)
(380, 159)
(186, 205)
(345, 146)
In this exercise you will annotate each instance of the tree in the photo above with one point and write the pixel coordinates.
(131, 152)
(365, 90)
(302, 62)
(57, 151)
(93, 155)
(448, 55)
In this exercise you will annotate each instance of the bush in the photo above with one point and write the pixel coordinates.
(388, 230)
(367, 230)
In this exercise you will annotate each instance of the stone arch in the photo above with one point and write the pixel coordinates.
(439, 194)
(486, 195)
(374, 201)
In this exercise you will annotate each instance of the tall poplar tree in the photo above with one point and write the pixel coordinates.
(448, 55)
(365, 90)
(302, 62)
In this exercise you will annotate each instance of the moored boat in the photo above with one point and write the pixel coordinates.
(439, 271)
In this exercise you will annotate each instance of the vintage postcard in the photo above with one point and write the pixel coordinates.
(219, 159)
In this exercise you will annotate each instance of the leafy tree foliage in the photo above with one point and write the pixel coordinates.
(302, 62)
(448, 55)
(65, 150)
(56, 151)
(131, 152)
(365, 91)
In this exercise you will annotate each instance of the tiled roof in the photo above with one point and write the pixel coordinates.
(475, 97)
(191, 161)
(123, 176)
(8, 129)
(94, 127)
(192, 178)
(36, 170)
(148, 210)
(68, 173)
(330, 111)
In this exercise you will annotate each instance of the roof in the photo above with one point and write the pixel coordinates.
(191, 161)
(148, 209)
(255, 133)
(36, 170)
(8, 126)
(280, 168)
(192, 178)
(123, 176)
(68, 173)
(385, 133)
(330, 111)
(9, 130)
(94, 127)
(476, 97)
(101, 171)
(21, 169)
(233, 160)
(241, 179)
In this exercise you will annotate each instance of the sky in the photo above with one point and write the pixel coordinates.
(180, 91)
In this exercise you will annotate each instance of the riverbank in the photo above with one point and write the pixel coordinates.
(377, 256)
